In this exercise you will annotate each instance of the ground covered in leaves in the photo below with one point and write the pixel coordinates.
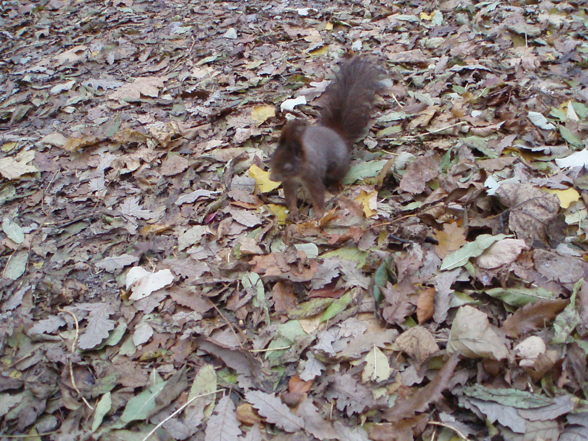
(152, 287)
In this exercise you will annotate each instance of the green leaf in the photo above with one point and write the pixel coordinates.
(140, 406)
(116, 335)
(17, 265)
(391, 130)
(288, 333)
(310, 308)
(539, 120)
(471, 249)
(337, 306)
(519, 296)
(14, 231)
(567, 320)
(252, 282)
(480, 144)
(380, 279)
(508, 397)
(569, 136)
(558, 114)
(362, 170)
(349, 253)
(102, 408)
(581, 109)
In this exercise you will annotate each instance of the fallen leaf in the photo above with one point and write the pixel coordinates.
(263, 182)
(262, 113)
(142, 282)
(417, 343)
(368, 202)
(223, 425)
(274, 411)
(473, 336)
(501, 253)
(376, 368)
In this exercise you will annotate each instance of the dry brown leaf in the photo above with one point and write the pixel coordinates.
(246, 414)
(397, 306)
(174, 165)
(473, 336)
(418, 173)
(297, 391)
(533, 316)
(146, 86)
(223, 424)
(315, 423)
(451, 238)
(425, 305)
(531, 210)
(418, 343)
(423, 397)
(553, 266)
(283, 297)
(276, 265)
(275, 411)
(501, 253)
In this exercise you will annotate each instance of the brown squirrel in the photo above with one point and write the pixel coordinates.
(318, 156)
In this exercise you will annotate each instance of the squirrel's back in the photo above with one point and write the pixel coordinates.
(349, 99)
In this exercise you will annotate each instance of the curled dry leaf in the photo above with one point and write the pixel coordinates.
(531, 210)
(529, 349)
(407, 407)
(425, 304)
(418, 343)
(533, 316)
(501, 253)
(473, 336)
(554, 266)
(142, 283)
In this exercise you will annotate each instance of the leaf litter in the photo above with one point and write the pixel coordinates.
(153, 288)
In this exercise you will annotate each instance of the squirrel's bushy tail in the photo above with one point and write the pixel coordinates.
(348, 101)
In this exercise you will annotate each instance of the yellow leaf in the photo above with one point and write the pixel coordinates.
(425, 16)
(566, 197)
(7, 147)
(368, 201)
(261, 113)
(320, 51)
(279, 211)
(329, 26)
(262, 180)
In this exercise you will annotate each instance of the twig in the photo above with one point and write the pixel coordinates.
(77, 326)
(283, 348)
(455, 429)
(70, 364)
(396, 99)
(237, 334)
(182, 407)
(432, 132)
(36, 435)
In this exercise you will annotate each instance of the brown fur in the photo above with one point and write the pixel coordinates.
(318, 156)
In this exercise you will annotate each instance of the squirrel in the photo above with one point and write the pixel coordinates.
(318, 156)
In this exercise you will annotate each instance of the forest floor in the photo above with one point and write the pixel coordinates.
(152, 286)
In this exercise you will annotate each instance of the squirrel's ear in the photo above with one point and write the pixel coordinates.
(291, 137)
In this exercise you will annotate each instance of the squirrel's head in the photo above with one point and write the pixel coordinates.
(286, 161)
